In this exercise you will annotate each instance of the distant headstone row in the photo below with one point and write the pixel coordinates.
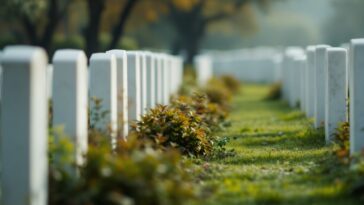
(256, 65)
(122, 85)
(326, 82)
(315, 78)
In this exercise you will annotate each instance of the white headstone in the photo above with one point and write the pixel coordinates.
(172, 74)
(134, 86)
(70, 96)
(159, 78)
(311, 82)
(294, 81)
(166, 76)
(143, 82)
(356, 73)
(122, 89)
(335, 94)
(321, 59)
(301, 81)
(24, 127)
(103, 87)
(180, 73)
(150, 80)
(1, 74)
(277, 68)
(49, 80)
(203, 64)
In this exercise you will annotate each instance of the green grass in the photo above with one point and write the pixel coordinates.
(280, 158)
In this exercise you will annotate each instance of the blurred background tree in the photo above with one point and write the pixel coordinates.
(192, 18)
(97, 25)
(35, 21)
(183, 27)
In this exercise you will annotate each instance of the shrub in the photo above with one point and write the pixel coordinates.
(230, 82)
(217, 92)
(132, 174)
(342, 139)
(210, 113)
(275, 92)
(180, 128)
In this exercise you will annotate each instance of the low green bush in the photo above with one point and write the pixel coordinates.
(218, 93)
(230, 82)
(342, 139)
(275, 92)
(180, 128)
(210, 113)
(134, 173)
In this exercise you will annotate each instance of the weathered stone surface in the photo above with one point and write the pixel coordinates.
(356, 73)
(335, 94)
(320, 83)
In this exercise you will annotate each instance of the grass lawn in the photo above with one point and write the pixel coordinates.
(279, 158)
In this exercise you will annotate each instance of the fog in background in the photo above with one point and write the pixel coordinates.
(299, 23)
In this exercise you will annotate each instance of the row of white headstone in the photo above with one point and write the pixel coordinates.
(327, 83)
(204, 69)
(128, 84)
(253, 65)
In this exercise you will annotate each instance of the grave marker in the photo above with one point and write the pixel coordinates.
(122, 89)
(24, 126)
(143, 82)
(335, 93)
(150, 84)
(103, 88)
(70, 96)
(311, 81)
(319, 90)
(134, 86)
(166, 76)
(356, 73)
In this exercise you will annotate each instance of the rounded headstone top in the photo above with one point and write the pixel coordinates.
(117, 52)
(300, 57)
(22, 53)
(293, 51)
(336, 49)
(311, 48)
(320, 47)
(102, 57)
(357, 41)
(69, 55)
(133, 53)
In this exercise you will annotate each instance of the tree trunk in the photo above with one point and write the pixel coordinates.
(30, 30)
(92, 31)
(53, 20)
(118, 30)
(176, 46)
(192, 49)
(190, 27)
(54, 16)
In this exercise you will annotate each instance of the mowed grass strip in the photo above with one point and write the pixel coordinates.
(280, 158)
